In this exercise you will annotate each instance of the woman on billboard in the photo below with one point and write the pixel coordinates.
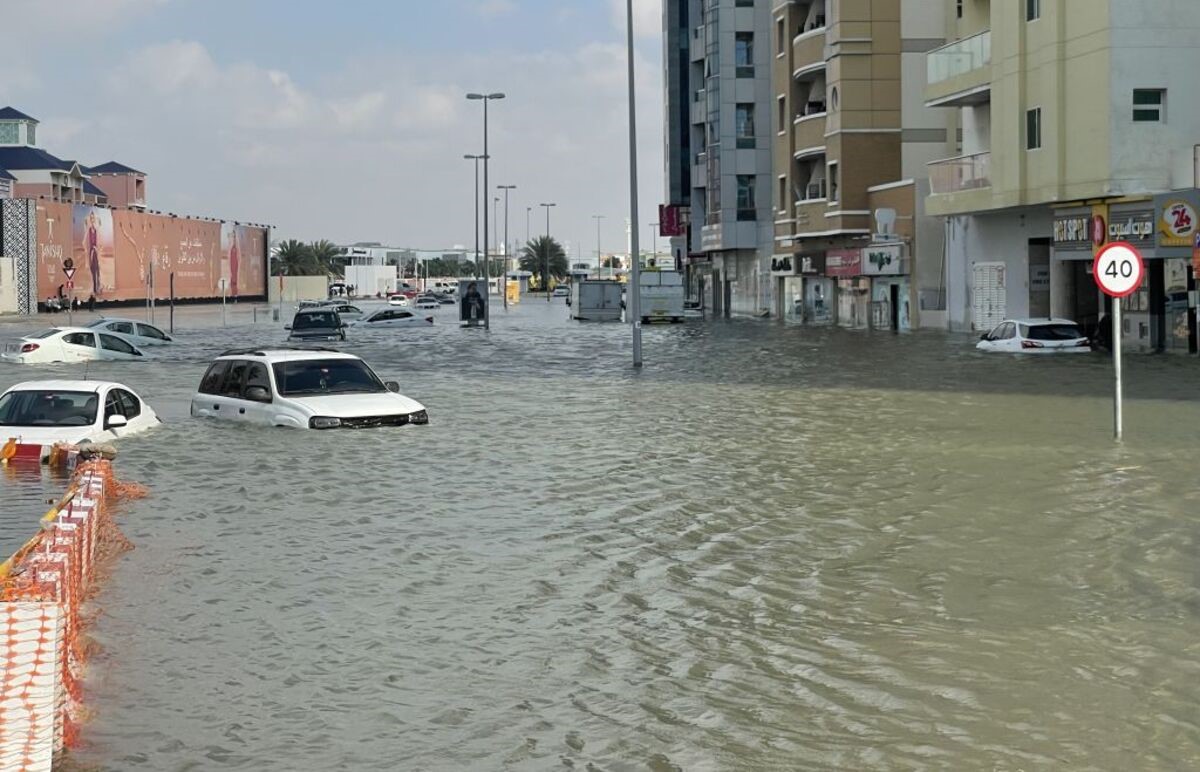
(233, 263)
(92, 249)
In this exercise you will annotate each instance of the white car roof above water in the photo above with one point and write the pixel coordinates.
(64, 385)
(286, 354)
(1041, 322)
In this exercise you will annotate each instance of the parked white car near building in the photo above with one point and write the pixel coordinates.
(70, 344)
(302, 388)
(1035, 336)
(392, 317)
(46, 412)
(137, 333)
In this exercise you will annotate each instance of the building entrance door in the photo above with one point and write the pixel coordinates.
(989, 298)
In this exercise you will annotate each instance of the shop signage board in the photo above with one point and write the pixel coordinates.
(1132, 227)
(811, 264)
(1119, 271)
(883, 260)
(1177, 222)
(843, 263)
(783, 265)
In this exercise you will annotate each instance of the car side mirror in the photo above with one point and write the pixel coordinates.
(287, 326)
(258, 394)
(392, 386)
(116, 421)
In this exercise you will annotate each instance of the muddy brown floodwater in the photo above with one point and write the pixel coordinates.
(775, 548)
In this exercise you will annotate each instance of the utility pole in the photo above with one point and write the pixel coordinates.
(546, 247)
(599, 259)
(485, 98)
(504, 284)
(635, 276)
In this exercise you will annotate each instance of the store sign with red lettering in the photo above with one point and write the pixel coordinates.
(1177, 224)
(843, 262)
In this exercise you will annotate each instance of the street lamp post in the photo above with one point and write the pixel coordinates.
(504, 284)
(546, 247)
(635, 276)
(476, 159)
(599, 259)
(485, 98)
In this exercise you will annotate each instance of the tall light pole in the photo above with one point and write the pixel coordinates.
(599, 259)
(485, 98)
(476, 159)
(504, 284)
(635, 276)
(546, 246)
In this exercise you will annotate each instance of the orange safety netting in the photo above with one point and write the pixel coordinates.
(42, 591)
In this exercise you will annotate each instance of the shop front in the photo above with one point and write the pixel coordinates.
(1177, 241)
(890, 303)
(853, 289)
(819, 291)
(789, 290)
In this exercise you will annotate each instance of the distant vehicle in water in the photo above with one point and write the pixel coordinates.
(392, 317)
(317, 325)
(46, 412)
(138, 333)
(595, 300)
(662, 296)
(562, 291)
(427, 302)
(304, 389)
(399, 300)
(346, 311)
(1035, 336)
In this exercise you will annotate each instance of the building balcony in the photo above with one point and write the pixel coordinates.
(961, 184)
(808, 131)
(960, 73)
(696, 48)
(810, 212)
(808, 53)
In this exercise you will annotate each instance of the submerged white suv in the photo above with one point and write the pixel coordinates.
(311, 388)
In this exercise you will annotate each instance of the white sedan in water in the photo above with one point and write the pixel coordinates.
(392, 317)
(70, 344)
(1035, 336)
(137, 333)
(46, 412)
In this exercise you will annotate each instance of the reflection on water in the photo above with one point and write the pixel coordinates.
(776, 548)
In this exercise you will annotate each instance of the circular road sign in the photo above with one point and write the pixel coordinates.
(1119, 269)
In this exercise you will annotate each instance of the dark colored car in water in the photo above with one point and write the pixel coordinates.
(314, 325)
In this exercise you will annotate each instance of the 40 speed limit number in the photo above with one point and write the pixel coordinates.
(1119, 269)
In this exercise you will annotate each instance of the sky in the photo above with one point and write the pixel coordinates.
(348, 121)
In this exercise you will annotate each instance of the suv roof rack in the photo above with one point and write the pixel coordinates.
(260, 351)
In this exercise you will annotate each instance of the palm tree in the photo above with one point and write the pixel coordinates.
(327, 257)
(294, 258)
(541, 255)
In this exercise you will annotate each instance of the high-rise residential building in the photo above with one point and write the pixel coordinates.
(853, 139)
(1078, 128)
(718, 97)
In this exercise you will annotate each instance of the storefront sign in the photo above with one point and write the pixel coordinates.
(1073, 230)
(783, 265)
(1176, 222)
(1100, 231)
(670, 221)
(843, 262)
(812, 264)
(884, 260)
(1133, 227)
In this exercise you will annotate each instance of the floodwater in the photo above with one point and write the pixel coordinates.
(775, 548)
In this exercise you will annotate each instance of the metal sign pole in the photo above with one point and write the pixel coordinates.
(1118, 419)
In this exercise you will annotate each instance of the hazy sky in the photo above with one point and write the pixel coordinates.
(347, 120)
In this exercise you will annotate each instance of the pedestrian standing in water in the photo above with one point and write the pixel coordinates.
(92, 302)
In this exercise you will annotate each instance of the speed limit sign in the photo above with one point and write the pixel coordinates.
(1119, 269)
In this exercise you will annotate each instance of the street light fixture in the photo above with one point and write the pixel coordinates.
(599, 259)
(485, 98)
(476, 159)
(546, 247)
(504, 285)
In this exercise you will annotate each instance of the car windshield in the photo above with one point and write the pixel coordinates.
(48, 408)
(1053, 332)
(325, 376)
(314, 321)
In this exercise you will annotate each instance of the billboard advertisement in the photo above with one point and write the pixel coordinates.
(472, 301)
(119, 254)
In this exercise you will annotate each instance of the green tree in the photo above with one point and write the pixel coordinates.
(541, 255)
(328, 257)
(294, 258)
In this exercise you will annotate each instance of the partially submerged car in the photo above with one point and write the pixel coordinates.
(392, 317)
(137, 333)
(1035, 336)
(70, 344)
(304, 389)
(317, 325)
(75, 412)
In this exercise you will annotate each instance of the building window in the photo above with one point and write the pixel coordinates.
(747, 209)
(1033, 10)
(1150, 105)
(744, 4)
(1033, 129)
(744, 122)
(834, 181)
(744, 54)
(783, 191)
(30, 134)
(780, 37)
(9, 133)
(783, 121)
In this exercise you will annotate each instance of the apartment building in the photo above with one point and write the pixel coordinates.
(718, 136)
(853, 245)
(1078, 128)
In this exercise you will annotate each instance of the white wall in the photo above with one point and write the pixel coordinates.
(8, 286)
(1155, 44)
(1002, 237)
(298, 288)
(976, 128)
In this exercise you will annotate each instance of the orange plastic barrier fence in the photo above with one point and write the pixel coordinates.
(43, 588)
